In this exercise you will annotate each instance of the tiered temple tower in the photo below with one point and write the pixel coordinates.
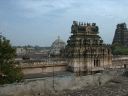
(85, 51)
(121, 35)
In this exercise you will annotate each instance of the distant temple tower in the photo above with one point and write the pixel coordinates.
(85, 50)
(57, 46)
(121, 35)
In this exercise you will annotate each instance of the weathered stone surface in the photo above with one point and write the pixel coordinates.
(45, 85)
(106, 84)
(85, 50)
(116, 87)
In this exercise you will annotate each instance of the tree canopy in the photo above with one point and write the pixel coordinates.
(119, 49)
(8, 71)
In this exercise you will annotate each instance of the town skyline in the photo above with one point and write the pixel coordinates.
(39, 22)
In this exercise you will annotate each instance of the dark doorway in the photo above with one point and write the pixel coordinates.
(96, 63)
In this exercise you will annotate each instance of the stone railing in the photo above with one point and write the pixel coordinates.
(41, 64)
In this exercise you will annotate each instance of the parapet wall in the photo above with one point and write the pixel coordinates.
(46, 67)
(42, 67)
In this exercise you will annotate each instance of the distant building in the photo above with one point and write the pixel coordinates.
(85, 50)
(20, 50)
(121, 35)
(57, 46)
(24, 50)
(32, 53)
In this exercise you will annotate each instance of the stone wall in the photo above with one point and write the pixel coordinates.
(43, 67)
(35, 70)
(120, 61)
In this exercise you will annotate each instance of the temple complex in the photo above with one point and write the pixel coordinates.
(121, 35)
(85, 50)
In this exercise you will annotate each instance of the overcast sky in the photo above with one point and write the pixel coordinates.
(39, 22)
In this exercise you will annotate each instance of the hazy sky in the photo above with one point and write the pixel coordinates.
(39, 22)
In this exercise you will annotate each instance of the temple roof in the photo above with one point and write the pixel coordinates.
(57, 45)
(58, 42)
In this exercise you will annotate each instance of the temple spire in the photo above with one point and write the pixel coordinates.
(58, 37)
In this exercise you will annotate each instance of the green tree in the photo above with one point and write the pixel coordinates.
(118, 49)
(8, 71)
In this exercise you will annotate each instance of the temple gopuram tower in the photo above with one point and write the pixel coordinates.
(121, 35)
(85, 50)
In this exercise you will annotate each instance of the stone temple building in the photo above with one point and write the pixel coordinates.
(57, 46)
(85, 50)
(121, 35)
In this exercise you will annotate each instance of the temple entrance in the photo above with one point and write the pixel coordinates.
(96, 63)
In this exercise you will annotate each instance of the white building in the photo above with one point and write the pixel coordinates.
(56, 46)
